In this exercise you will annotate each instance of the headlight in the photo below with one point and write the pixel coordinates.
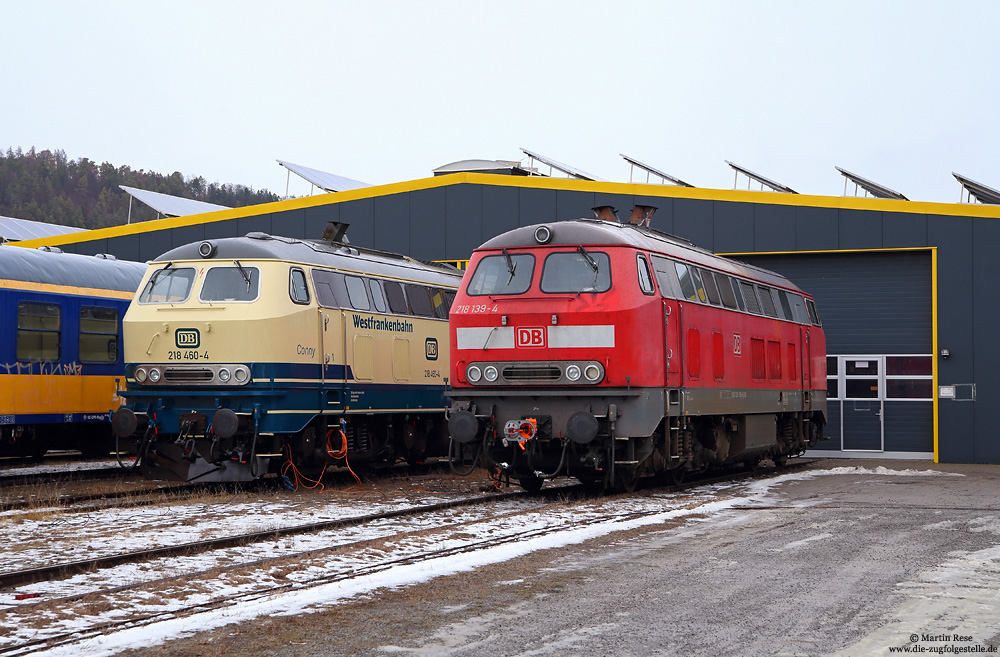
(473, 373)
(490, 373)
(154, 375)
(224, 375)
(140, 374)
(241, 374)
(573, 372)
(592, 372)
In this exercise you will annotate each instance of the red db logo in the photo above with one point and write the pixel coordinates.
(531, 336)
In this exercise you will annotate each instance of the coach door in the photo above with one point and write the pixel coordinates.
(859, 383)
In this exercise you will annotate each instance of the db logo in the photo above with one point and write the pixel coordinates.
(531, 336)
(187, 338)
(737, 344)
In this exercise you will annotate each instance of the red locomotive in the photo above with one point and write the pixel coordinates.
(611, 351)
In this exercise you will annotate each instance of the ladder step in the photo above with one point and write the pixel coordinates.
(626, 463)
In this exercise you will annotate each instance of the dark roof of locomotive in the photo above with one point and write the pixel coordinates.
(261, 246)
(575, 232)
(69, 269)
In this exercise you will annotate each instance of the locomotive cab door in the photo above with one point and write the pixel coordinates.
(672, 348)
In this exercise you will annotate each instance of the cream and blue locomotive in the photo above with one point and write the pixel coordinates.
(260, 354)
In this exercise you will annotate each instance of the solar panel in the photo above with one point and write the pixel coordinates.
(16, 230)
(172, 206)
(777, 187)
(330, 182)
(655, 172)
(565, 168)
(982, 193)
(873, 188)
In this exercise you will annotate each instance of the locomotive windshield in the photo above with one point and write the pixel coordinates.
(502, 274)
(579, 271)
(237, 283)
(168, 285)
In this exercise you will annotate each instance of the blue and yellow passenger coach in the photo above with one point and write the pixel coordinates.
(267, 354)
(60, 361)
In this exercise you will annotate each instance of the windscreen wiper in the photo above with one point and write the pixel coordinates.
(246, 276)
(511, 265)
(590, 261)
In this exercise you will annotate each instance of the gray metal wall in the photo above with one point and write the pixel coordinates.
(447, 221)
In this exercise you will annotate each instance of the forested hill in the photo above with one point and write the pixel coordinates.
(46, 186)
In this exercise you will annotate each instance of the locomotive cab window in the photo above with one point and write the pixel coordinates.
(666, 277)
(576, 271)
(813, 314)
(710, 287)
(298, 291)
(236, 283)
(331, 290)
(38, 331)
(168, 285)
(440, 302)
(508, 273)
(699, 285)
(686, 281)
(98, 335)
(645, 277)
(738, 294)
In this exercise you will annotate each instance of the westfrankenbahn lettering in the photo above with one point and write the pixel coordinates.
(376, 324)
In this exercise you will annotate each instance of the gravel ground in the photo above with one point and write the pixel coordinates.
(849, 563)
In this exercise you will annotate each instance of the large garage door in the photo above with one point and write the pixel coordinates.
(876, 312)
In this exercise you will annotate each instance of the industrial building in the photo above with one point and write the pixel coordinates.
(910, 371)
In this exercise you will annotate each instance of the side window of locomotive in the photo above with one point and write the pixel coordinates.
(168, 285)
(98, 335)
(813, 314)
(725, 286)
(666, 277)
(784, 305)
(449, 299)
(357, 293)
(710, 288)
(420, 300)
(394, 294)
(687, 283)
(231, 284)
(502, 274)
(298, 291)
(378, 298)
(331, 290)
(750, 296)
(699, 286)
(440, 303)
(38, 331)
(799, 312)
(576, 271)
(645, 277)
(767, 301)
(738, 293)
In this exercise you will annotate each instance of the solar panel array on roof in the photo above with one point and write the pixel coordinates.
(775, 186)
(650, 170)
(172, 206)
(982, 193)
(873, 188)
(15, 230)
(572, 172)
(330, 182)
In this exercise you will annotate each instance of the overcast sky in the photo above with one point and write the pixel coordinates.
(902, 93)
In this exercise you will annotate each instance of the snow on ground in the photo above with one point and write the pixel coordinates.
(355, 572)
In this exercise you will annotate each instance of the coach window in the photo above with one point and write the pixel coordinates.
(576, 271)
(168, 285)
(750, 296)
(357, 293)
(725, 286)
(508, 273)
(813, 314)
(238, 283)
(394, 294)
(98, 335)
(767, 301)
(687, 283)
(710, 288)
(377, 297)
(331, 291)
(297, 288)
(420, 300)
(38, 329)
(645, 278)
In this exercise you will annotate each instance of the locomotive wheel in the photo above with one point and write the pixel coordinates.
(780, 460)
(676, 476)
(531, 483)
(627, 479)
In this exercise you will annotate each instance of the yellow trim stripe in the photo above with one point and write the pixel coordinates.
(65, 289)
(638, 189)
